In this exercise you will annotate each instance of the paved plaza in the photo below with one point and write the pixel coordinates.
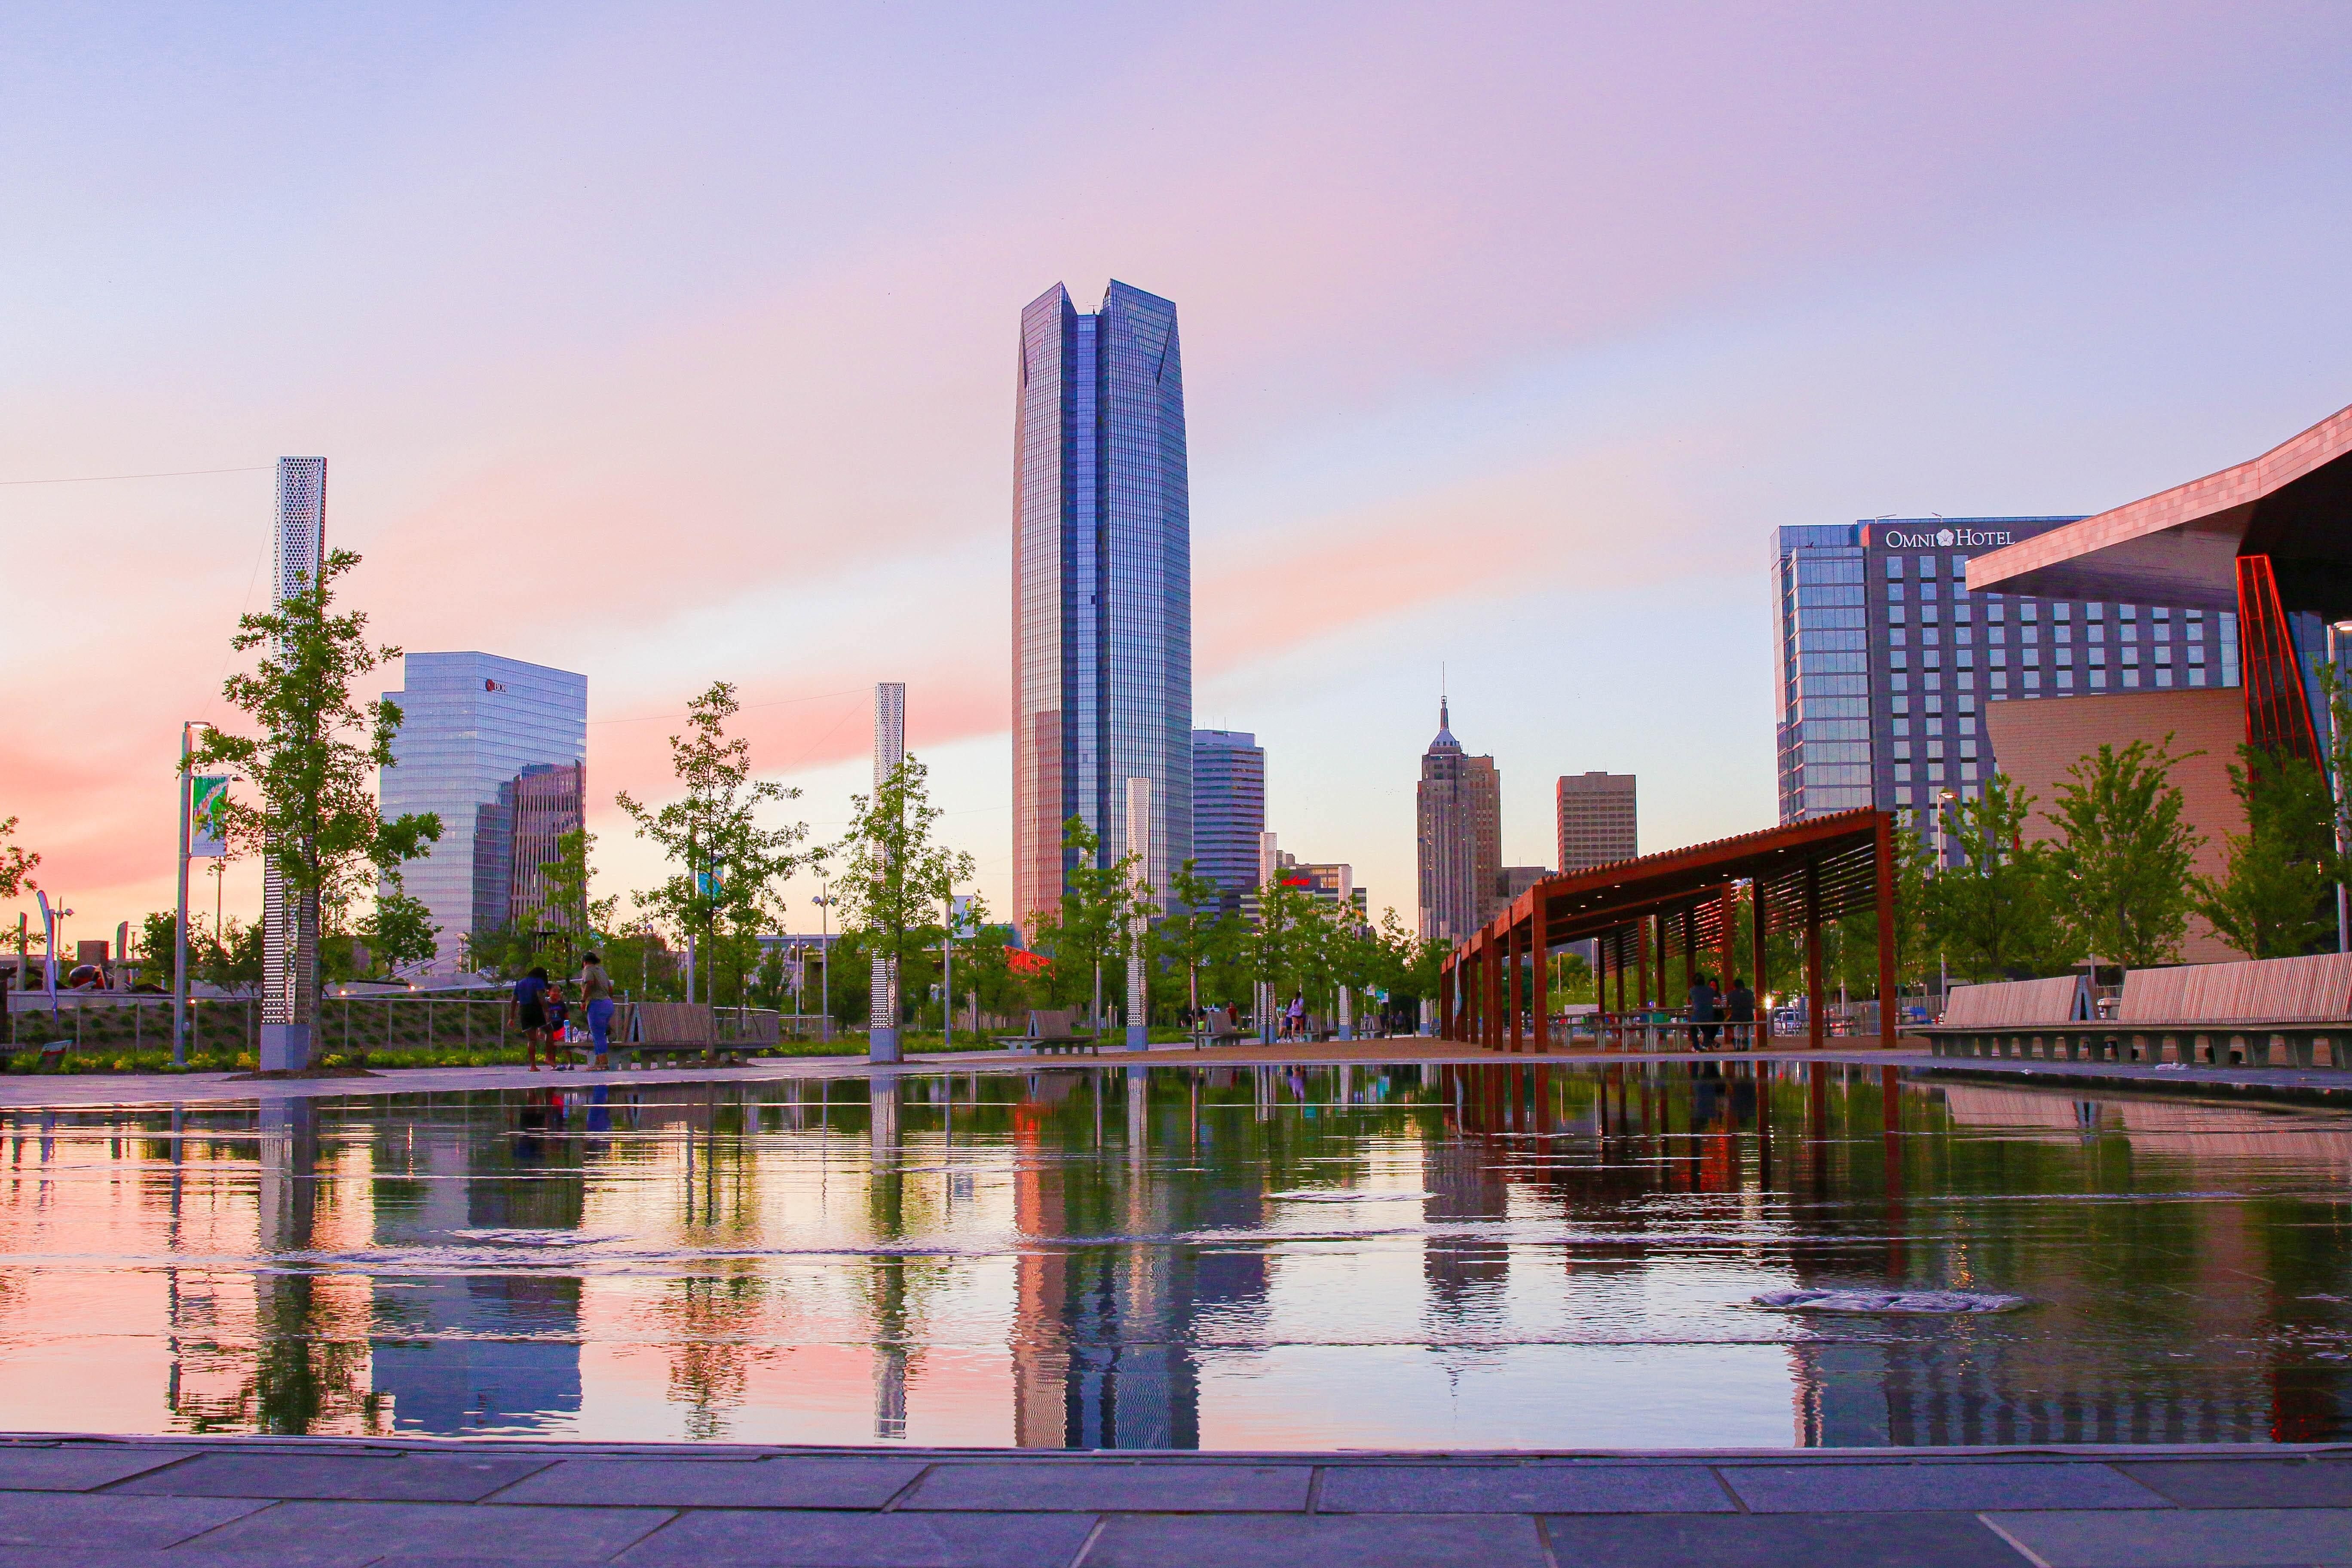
(148, 1502)
(64, 1092)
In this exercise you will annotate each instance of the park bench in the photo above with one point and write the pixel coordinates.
(1219, 1027)
(1050, 1030)
(676, 1028)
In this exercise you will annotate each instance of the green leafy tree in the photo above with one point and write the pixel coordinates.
(729, 866)
(1089, 928)
(17, 862)
(159, 944)
(2123, 861)
(311, 808)
(2274, 900)
(894, 879)
(399, 932)
(1193, 932)
(1992, 915)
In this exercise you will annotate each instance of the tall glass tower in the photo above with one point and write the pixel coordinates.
(1102, 587)
(474, 725)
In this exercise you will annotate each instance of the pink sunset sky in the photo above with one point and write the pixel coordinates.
(670, 344)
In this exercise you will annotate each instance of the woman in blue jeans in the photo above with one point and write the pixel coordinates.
(596, 994)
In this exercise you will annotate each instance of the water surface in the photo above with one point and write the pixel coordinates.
(1487, 1257)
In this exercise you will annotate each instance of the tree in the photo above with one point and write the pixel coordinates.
(17, 862)
(728, 863)
(895, 882)
(311, 812)
(2274, 900)
(1992, 915)
(2124, 886)
(399, 932)
(1089, 929)
(1193, 930)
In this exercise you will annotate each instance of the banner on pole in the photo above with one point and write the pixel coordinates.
(207, 833)
(961, 922)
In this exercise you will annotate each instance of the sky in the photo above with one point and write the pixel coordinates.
(676, 343)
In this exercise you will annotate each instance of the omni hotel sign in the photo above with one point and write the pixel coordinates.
(1938, 538)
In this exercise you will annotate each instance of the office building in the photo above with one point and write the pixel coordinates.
(472, 723)
(1102, 587)
(545, 800)
(1598, 824)
(1328, 882)
(1228, 810)
(1887, 663)
(1513, 881)
(1459, 823)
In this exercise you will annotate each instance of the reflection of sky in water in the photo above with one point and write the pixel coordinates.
(1236, 1259)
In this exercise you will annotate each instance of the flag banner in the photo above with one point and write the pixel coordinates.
(207, 834)
(961, 922)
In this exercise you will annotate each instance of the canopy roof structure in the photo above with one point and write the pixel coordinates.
(2293, 504)
(1802, 875)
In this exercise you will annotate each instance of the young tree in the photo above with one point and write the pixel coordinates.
(894, 881)
(729, 866)
(1991, 915)
(2123, 887)
(2275, 899)
(17, 862)
(1090, 926)
(1191, 932)
(310, 806)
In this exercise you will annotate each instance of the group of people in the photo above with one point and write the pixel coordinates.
(543, 1014)
(1710, 1009)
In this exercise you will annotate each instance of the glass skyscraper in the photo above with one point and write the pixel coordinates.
(472, 724)
(1102, 587)
(1885, 659)
(1228, 810)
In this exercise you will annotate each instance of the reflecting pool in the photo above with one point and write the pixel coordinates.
(1554, 1256)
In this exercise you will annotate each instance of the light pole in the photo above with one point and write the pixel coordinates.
(1944, 799)
(824, 902)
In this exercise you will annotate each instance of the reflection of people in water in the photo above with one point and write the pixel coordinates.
(542, 1111)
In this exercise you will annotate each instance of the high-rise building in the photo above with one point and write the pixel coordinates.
(1228, 810)
(1885, 659)
(471, 724)
(1329, 881)
(1102, 587)
(1596, 821)
(548, 801)
(1458, 812)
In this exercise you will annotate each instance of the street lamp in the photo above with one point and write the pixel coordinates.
(824, 902)
(1944, 798)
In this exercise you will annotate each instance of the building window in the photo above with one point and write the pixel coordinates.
(2028, 613)
(2127, 634)
(2066, 680)
(2164, 677)
(2063, 635)
(1902, 704)
(1960, 567)
(2164, 656)
(1935, 772)
(2033, 683)
(2098, 679)
(1894, 573)
(1903, 773)
(1935, 704)
(1897, 659)
(1968, 771)
(2095, 611)
(1926, 568)
(1968, 681)
(2196, 653)
(2060, 612)
(1897, 637)
(2195, 678)
(1903, 796)
(2196, 631)
(1898, 683)
(2131, 677)
(1999, 681)
(1926, 593)
(1999, 658)
(2161, 632)
(2131, 655)
(1934, 683)
(1993, 612)
(1894, 616)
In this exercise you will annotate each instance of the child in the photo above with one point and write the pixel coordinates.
(558, 1011)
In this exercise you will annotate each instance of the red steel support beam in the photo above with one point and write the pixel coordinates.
(1763, 964)
(1512, 950)
(1884, 854)
(1542, 1009)
(1813, 992)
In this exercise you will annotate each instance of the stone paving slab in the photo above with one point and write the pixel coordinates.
(867, 1540)
(817, 1480)
(1100, 1487)
(48, 1519)
(2202, 1538)
(382, 1477)
(1522, 1488)
(1280, 1540)
(1824, 1487)
(404, 1530)
(2247, 1483)
(78, 1469)
(1780, 1541)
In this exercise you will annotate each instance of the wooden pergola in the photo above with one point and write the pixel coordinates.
(1641, 911)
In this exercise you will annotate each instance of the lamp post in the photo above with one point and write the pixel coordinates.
(1944, 799)
(824, 902)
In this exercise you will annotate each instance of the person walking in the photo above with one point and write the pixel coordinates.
(1742, 1004)
(596, 1000)
(559, 1025)
(1702, 1011)
(1296, 1018)
(528, 1012)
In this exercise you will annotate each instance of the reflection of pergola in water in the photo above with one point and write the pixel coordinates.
(1640, 912)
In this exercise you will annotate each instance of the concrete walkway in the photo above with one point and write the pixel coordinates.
(146, 1502)
(65, 1091)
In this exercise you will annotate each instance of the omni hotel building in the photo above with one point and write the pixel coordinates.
(1888, 663)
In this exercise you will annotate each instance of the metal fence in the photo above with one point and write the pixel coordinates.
(348, 1025)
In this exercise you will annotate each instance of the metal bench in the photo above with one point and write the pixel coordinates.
(676, 1028)
(1050, 1030)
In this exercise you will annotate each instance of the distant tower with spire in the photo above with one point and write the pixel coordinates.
(1459, 818)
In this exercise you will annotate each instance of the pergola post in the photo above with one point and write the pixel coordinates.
(1491, 1001)
(1725, 918)
(1641, 962)
(1617, 963)
(1665, 998)
(1512, 950)
(1539, 932)
(1882, 852)
(1758, 925)
(1446, 999)
(1814, 954)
